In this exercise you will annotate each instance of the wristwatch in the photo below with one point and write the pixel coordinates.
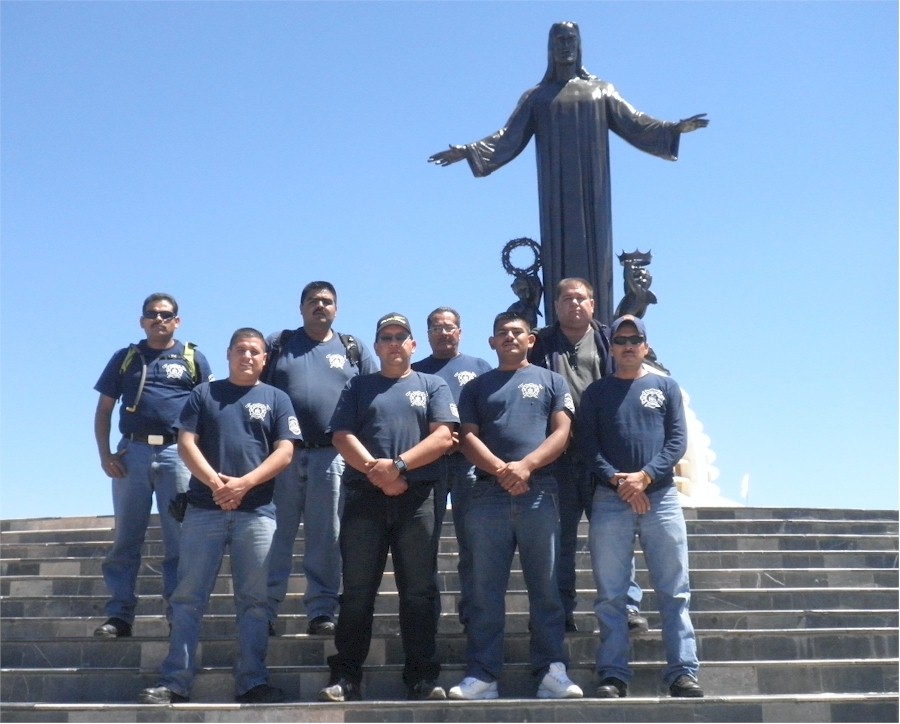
(400, 465)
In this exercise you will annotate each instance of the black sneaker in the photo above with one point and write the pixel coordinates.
(114, 628)
(261, 694)
(160, 695)
(340, 690)
(426, 690)
(684, 685)
(272, 631)
(320, 626)
(570, 623)
(611, 688)
(637, 624)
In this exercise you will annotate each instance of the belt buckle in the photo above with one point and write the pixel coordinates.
(155, 439)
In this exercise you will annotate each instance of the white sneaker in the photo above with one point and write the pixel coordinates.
(557, 685)
(472, 688)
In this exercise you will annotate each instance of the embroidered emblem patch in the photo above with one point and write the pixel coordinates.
(569, 403)
(293, 425)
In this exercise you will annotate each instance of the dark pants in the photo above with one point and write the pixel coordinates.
(373, 524)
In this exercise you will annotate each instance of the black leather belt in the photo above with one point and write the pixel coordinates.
(153, 439)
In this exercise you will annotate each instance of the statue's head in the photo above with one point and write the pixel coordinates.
(564, 52)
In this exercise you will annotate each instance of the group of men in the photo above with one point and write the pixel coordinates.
(366, 450)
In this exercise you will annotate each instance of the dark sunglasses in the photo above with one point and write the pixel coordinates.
(164, 316)
(634, 339)
(388, 338)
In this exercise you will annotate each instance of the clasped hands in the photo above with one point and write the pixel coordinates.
(228, 491)
(631, 487)
(383, 474)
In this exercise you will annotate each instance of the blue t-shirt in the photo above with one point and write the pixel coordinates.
(390, 416)
(456, 371)
(629, 425)
(313, 375)
(166, 387)
(238, 427)
(512, 409)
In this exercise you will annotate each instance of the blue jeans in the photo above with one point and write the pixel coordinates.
(460, 478)
(310, 488)
(152, 469)
(372, 525)
(207, 534)
(663, 536)
(496, 524)
(576, 491)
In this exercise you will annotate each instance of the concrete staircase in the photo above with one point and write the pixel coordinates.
(796, 612)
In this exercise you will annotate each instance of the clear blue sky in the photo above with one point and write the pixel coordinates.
(230, 152)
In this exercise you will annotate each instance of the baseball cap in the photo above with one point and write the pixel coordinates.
(393, 318)
(636, 321)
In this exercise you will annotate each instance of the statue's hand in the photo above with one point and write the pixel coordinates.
(693, 123)
(451, 155)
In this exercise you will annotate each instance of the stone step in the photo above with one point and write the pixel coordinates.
(447, 561)
(101, 528)
(751, 527)
(150, 582)
(302, 683)
(771, 708)
(387, 649)
(516, 600)
(294, 623)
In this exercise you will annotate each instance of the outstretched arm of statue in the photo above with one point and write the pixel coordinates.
(692, 124)
(451, 155)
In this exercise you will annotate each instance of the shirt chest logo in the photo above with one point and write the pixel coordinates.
(653, 398)
(531, 390)
(173, 370)
(417, 398)
(463, 377)
(336, 361)
(257, 410)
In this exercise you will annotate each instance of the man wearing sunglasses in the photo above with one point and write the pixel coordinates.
(393, 429)
(152, 378)
(632, 432)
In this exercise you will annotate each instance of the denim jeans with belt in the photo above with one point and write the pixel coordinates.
(663, 537)
(496, 524)
(372, 525)
(151, 469)
(207, 533)
(309, 488)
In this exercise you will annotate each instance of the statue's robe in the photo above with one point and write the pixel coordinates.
(570, 122)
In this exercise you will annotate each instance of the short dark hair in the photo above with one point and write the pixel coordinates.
(160, 297)
(317, 287)
(568, 281)
(443, 310)
(244, 332)
(510, 316)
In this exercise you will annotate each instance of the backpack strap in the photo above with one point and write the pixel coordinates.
(352, 348)
(275, 351)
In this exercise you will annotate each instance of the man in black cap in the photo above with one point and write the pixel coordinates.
(392, 428)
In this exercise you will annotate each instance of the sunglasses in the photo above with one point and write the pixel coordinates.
(445, 329)
(388, 338)
(634, 339)
(164, 316)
